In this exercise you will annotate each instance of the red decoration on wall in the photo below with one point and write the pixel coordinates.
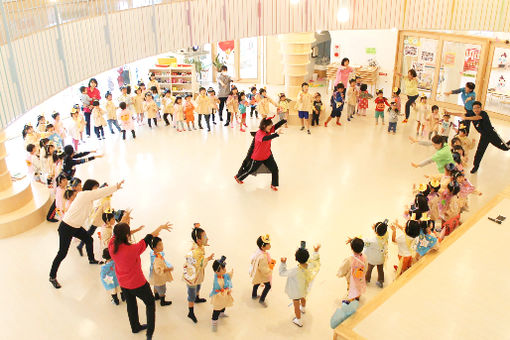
(471, 59)
(226, 46)
(336, 54)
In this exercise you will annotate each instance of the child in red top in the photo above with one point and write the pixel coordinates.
(189, 110)
(363, 100)
(380, 101)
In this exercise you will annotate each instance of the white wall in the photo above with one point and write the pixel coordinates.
(353, 44)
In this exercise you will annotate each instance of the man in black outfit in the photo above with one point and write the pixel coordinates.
(488, 135)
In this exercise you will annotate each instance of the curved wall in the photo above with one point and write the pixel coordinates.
(37, 66)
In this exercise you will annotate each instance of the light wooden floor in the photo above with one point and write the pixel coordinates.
(334, 184)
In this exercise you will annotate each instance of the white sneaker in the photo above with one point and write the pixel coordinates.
(297, 322)
(302, 309)
(223, 315)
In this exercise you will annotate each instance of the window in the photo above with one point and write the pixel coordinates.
(498, 89)
(248, 58)
(459, 65)
(226, 54)
(420, 55)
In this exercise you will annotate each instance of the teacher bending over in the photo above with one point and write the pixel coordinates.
(129, 272)
(73, 221)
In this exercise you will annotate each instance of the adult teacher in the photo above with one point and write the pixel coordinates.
(468, 96)
(224, 83)
(411, 90)
(260, 152)
(73, 221)
(343, 73)
(94, 94)
(128, 268)
(488, 134)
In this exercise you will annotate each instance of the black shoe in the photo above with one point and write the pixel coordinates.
(141, 328)
(226, 124)
(122, 296)
(214, 123)
(55, 283)
(80, 250)
(52, 220)
(200, 300)
(200, 127)
(165, 303)
(192, 317)
(96, 262)
(156, 296)
(474, 170)
(115, 299)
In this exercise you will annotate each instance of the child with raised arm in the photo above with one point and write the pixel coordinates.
(300, 278)
(221, 294)
(353, 269)
(376, 251)
(160, 272)
(405, 242)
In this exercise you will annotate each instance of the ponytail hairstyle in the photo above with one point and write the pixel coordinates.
(412, 228)
(24, 133)
(381, 228)
(90, 184)
(264, 123)
(68, 194)
(263, 241)
(107, 216)
(43, 142)
(454, 187)
(121, 233)
(196, 233)
(240, 95)
(60, 178)
(55, 115)
(154, 242)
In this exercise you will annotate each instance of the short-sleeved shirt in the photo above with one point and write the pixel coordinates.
(468, 98)
(411, 86)
(481, 125)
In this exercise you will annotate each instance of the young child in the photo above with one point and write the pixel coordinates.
(318, 108)
(155, 95)
(380, 101)
(263, 103)
(393, 114)
(151, 108)
(243, 104)
(60, 188)
(337, 104)
(462, 134)
(376, 251)
(252, 97)
(232, 107)
(395, 97)
(434, 199)
(33, 163)
(74, 129)
(98, 117)
(421, 113)
(299, 279)
(466, 188)
(283, 108)
(126, 121)
(221, 294)
(109, 278)
(445, 126)
(261, 269)
(426, 240)
(86, 106)
(194, 268)
(304, 106)
(203, 108)
(138, 103)
(189, 111)
(179, 114)
(213, 103)
(54, 137)
(160, 272)
(59, 126)
(405, 243)
(354, 269)
(432, 121)
(352, 99)
(364, 96)
(111, 113)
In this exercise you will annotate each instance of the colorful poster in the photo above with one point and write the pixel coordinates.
(370, 50)
(449, 58)
(410, 51)
(471, 59)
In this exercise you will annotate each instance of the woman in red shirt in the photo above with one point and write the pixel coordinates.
(93, 93)
(260, 153)
(128, 269)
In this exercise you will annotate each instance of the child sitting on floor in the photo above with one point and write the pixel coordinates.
(299, 279)
(160, 272)
(353, 269)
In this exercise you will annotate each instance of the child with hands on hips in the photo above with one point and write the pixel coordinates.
(221, 296)
(261, 269)
(194, 268)
(300, 278)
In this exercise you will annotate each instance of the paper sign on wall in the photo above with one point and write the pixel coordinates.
(471, 59)
(370, 50)
(449, 58)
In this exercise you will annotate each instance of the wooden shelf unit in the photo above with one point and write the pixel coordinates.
(178, 79)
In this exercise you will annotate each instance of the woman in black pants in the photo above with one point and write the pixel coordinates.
(260, 153)
(73, 221)
(130, 275)
(411, 90)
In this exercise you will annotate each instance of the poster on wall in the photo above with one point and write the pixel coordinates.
(471, 59)
(410, 50)
(427, 56)
(449, 58)
(417, 66)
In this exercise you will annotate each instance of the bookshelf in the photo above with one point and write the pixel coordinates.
(178, 79)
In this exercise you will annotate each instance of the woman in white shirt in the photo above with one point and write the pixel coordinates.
(73, 221)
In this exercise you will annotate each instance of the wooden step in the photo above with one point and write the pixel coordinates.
(16, 196)
(29, 215)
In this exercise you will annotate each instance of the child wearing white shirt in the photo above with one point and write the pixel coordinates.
(405, 242)
(376, 249)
